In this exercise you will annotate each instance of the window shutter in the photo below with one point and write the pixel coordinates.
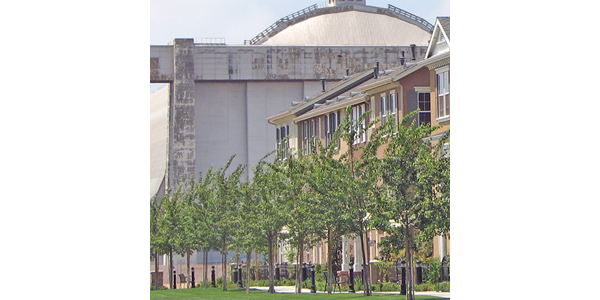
(413, 104)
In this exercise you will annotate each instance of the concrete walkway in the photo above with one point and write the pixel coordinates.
(292, 289)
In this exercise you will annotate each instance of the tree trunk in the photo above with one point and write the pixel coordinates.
(170, 272)
(299, 267)
(189, 282)
(271, 282)
(329, 260)
(205, 267)
(256, 265)
(248, 271)
(156, 270)
(410, 295)
(224, 263)
(367, 290)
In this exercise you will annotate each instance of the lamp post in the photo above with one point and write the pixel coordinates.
(313, 287)
(403, 287)
(303, 271)
(351, 284)
(212, 277)
(193, 279)
(277, 274)
(240, 285)
(174, 279)
(234, 267)
(419, 272)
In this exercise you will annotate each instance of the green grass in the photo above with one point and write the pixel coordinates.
(240, 294)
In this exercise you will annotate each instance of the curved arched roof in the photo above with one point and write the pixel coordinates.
(358, 25)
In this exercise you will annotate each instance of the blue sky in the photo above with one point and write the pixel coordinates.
(239, 20)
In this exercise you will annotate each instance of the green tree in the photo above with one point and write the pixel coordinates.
(327, 179)
(157, 246)
(361, 180)
(300, 204)
(415, 175)
(266, 190)
(201, 217)
(225, 202)
(171, 227)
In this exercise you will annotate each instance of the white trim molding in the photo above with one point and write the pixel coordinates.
(443, 119)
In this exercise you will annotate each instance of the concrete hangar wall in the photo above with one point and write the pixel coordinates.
(220, 95)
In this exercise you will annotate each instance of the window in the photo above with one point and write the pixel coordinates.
(308, 135)
(332, 121)
(443, 91)
(393, 107)
(383, 105)
(281, 133)
(389, 107)
(361, 136)
(424, 108)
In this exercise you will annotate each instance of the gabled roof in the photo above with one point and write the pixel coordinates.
(445, 22)
(440, 37)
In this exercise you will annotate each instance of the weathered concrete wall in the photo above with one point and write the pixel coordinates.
(220, 124)
(279, 62)
(222, 95)
(161, 63)
(182, 126)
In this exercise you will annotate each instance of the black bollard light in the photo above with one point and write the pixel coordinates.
(240, 285)
(174, 279)
(277, 274)
(212, 277)
(419, 272)
(303, 271)
(235, 272)
(351, 283)
(193, 279)
(403, 287)
(313, 287)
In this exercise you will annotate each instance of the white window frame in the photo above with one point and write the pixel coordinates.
(443, 94)
(358, 111)
(383, 108)
(393, 106)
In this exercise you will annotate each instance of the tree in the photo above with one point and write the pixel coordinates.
(361, 180)
(327, 179)
(266, 190)
(201, 217)
(300, 205)
(226, 195)
(415, 175)
(170, 227)
(157, 246)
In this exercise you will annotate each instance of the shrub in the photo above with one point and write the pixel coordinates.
(160, 287)
(443, 286)
(435, 271)
(424, 287)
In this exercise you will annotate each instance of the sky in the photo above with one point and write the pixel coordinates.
(239, 20)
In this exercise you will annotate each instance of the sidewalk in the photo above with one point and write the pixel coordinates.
(292, 289)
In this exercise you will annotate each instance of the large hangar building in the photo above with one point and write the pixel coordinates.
(219, 96)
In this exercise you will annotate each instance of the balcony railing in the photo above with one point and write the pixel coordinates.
(265, 33)
(411, 16)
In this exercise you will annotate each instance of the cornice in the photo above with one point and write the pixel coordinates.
(437, 61)
(329, 108)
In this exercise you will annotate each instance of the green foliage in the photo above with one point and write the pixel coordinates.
(424, 287)
(160, 287)
(434, 271)
(443, 286)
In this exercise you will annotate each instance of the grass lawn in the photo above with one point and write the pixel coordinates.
(235, 294)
